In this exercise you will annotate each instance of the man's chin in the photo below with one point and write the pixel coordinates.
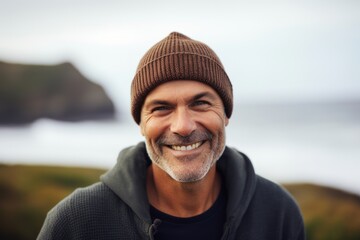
(186, 178)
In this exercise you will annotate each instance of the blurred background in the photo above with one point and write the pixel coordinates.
(66, 69)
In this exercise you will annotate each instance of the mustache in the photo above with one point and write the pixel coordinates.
(175, 139)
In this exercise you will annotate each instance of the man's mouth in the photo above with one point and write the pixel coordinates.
(186, 147)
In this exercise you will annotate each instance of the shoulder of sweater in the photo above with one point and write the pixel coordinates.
(274, 200)
(275, 195)
(87, 198)
(96, 190)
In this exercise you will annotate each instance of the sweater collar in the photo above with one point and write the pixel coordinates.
(240, 182)
(127, 179)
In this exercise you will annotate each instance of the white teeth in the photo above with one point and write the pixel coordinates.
(186, 148)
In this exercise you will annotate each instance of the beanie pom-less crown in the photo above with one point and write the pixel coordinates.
(178, 57)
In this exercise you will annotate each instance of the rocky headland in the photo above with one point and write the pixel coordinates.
(60, 92)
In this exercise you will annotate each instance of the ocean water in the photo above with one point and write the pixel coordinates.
(317, 143)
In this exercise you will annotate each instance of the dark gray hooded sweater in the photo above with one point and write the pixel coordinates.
(118, 208)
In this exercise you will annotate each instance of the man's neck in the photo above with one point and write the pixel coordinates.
(182, 199)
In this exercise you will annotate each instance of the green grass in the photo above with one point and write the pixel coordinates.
(329, 214)
(29, 192)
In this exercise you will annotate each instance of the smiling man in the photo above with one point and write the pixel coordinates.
(183, 182)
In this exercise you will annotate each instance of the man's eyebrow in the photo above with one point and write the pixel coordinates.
(156, 102)
(204, 94)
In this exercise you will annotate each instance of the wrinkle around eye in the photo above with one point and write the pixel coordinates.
(160, 111)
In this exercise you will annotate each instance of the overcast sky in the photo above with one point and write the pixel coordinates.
(272, 50)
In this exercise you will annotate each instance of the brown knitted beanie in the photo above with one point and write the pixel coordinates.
(178, 57)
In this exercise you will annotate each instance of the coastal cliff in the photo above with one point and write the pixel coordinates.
(60, 92)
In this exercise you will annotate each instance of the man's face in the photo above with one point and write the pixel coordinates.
(184, 126)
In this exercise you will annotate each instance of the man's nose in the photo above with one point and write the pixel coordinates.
(182, 123)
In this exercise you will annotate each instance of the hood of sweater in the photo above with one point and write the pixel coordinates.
(127, 179)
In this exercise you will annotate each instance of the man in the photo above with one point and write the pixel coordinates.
(183, 182)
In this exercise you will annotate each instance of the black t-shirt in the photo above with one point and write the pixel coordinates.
(208, 225)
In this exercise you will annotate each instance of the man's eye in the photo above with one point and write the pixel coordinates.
(160, 108)
(201, 103)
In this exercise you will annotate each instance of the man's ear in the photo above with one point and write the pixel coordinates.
(142, 130)
(226, 121)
